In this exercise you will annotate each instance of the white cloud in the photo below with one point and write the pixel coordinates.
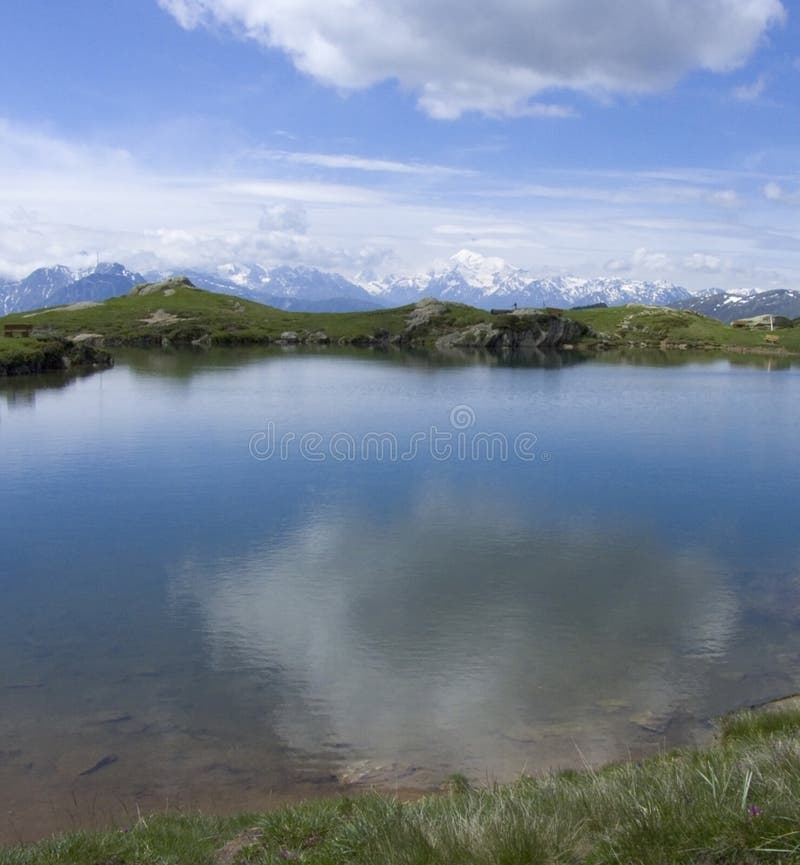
(59, 201)
(357, 163)
(646, 260)
(501, 228)
(319, 193)
(617, 265)
(703, 262)
(773, 191)
(291, 217)
(725, 198)
(750, 92)
(497, 59)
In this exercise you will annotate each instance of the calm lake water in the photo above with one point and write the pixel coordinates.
(234, 577)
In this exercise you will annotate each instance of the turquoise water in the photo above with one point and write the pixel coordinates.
(250, 575)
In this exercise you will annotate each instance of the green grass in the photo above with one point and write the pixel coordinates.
(737, 803)
(226, 320)
(652, 326)
(752, 726)
(18, 350)
(29, 355)
(190, 314)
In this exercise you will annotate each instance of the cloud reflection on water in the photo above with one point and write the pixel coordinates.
(446, 628)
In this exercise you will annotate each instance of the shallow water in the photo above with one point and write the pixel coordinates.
(253, 575)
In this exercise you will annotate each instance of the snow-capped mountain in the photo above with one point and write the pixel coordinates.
(466, 277)
(727, 306)
(53, 286)
(480, 281)
(300, 288)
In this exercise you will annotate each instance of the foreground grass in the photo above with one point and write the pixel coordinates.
(737, 802)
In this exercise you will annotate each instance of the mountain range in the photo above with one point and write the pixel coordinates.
(727, 306)
(467, 277)
(54, 286)
(485, 282)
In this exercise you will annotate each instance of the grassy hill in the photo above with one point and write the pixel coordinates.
(649, 326)
(175, 312)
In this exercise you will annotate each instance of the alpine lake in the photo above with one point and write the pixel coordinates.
(237, 577)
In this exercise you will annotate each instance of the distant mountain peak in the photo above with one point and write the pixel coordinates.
(488, 281)
(477, 269)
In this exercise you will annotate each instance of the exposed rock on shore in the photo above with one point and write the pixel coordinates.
(54, 355)
(517, 331)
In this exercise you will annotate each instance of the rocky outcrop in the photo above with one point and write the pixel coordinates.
(518, 332)
(764, 322)
(476, 336)
(542, 331)
(424, 313)
(166, 287)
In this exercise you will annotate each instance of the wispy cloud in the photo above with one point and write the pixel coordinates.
(752, 91)
(61, 199)
(480, 228)
(352, 162)
(631, 190)
(316, 193)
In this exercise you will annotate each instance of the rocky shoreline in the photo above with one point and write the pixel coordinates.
(52, 355)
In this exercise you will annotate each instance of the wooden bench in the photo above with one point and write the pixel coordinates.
(14, 330)
(771, 338)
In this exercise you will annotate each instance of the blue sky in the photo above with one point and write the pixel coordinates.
(651, 140)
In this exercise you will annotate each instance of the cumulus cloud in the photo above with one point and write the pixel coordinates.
(461, 57)
(647, 260)
(61, 199)
(703, 262)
